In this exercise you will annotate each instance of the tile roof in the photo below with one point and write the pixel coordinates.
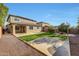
(20, 17)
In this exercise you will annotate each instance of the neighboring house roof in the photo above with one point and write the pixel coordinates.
(20, 17)
(55, 27)
(43, 22)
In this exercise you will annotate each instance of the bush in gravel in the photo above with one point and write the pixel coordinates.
(62, 37)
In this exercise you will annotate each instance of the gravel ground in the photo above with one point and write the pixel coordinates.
(61, 49)
(64, 50)
(46, 40)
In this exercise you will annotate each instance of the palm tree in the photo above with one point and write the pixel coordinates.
(3, 14)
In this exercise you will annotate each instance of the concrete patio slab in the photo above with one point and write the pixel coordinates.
(11, 46)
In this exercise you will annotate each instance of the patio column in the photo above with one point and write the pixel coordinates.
(0, 31)
(26, 29)
(13, 32)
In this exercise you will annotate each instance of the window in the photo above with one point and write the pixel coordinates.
(17, 27)
(37, 27)
(31, 27)
(16, 19)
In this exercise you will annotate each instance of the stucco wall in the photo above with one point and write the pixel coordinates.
(28, 31)
(35, 30)
(10, 28)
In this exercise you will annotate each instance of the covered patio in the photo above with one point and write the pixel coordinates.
(17, 29)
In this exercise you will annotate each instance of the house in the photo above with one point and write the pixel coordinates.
(20, 26)
(56, 29)
(45, 26)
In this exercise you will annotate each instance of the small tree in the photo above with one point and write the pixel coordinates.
(63, 27)
(77, 27)
(50, 29)
(3, 14)
(78, 23)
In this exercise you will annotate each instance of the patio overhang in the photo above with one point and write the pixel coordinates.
(26, 24)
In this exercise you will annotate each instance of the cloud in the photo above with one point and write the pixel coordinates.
(47, 16)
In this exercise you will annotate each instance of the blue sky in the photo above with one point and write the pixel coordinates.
(52, 13)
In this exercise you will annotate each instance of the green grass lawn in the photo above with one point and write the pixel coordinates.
(47, 34)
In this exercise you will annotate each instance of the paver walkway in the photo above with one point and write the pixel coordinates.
(74, 45)
(10, 45)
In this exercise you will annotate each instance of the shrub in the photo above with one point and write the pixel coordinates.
(51, 30)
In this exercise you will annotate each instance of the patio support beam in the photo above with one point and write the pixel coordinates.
(0, 31)
(26, 29)
(13, 29)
